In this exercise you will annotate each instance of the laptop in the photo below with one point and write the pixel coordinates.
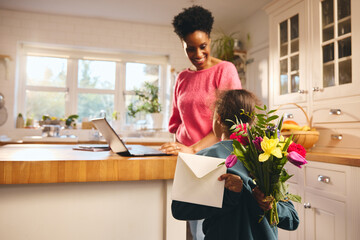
(117, 145)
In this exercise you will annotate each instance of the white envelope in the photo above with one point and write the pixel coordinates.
(196, 180)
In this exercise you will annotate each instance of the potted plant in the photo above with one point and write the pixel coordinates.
(147, 102)
(70, 121)
(223, 46)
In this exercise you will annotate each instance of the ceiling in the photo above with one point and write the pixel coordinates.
(227, 13)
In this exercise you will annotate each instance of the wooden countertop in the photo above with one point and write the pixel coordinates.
(342, 159)
(55, 163)
(39, 163)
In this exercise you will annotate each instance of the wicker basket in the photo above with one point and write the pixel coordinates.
(306, 138)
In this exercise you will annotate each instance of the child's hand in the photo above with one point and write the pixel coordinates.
(260, 198)
(232, 182)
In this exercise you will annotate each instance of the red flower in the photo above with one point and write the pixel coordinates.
(297, 148)
(238, 135)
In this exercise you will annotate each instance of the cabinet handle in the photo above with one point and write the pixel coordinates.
(288, 115)
(335, 111)
(337, 137)
(317, 89)
(323, 179)
(307, 205)
(302, 91)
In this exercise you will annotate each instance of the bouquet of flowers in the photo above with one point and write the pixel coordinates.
(264, 152)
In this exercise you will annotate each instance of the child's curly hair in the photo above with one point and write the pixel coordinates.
(192, 19)
(232, 104)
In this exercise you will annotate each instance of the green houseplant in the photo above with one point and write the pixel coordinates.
(223, 46)
(147, 101)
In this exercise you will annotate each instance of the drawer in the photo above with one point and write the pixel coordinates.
(295, 114)
(339, 137)
(337, 112)
(327, 180)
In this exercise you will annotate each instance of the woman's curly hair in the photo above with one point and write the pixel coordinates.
(192, 19)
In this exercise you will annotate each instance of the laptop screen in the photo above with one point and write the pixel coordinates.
(110, 135)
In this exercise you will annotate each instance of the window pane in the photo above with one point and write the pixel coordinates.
(283, 77)
(96, 74)
(40, 103)
(295, 46)
(328, 53)
(295, 79)
(294, 23)
(295, 63)
(344, 27)
(327, 7)
(46, 71)
(140, 117)
(91, 105)
(138, 73)
(328, 33)
(283, 39)
(345, 72)
(344, 8)
(345, 47)
(328, 75)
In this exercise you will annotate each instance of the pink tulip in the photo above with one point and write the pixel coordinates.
(296, 159)
(230, 161)
(257, 143)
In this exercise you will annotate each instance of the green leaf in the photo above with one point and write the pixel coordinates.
(272, 118)
(272, 111)
(220, 164)
(294, 198)
(284, 176)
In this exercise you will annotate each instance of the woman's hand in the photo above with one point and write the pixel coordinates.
(232, 182)
(174, 148)
(264, 204)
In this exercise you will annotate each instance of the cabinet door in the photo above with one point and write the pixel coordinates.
(324, 218)
(336, 54)
(288, 36)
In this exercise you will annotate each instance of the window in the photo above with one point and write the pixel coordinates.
(58, 82)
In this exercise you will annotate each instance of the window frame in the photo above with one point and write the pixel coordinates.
(73, 55)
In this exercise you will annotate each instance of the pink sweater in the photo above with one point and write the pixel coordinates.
(194, 96)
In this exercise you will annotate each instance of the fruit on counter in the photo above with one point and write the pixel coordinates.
(290, 125)
(290, 122)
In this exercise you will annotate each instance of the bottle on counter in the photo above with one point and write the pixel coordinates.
(20, 122)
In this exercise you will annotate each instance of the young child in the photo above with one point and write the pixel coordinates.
(243, 203)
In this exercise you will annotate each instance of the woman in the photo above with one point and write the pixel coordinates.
(195, 89)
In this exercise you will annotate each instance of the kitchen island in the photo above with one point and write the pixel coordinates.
(55, 192)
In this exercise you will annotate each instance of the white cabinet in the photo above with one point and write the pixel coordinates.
(288, 82)
(324, 218)
(335, 54)
(329, 208)
(326, 201)
(323, 75)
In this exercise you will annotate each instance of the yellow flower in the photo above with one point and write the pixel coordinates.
(269, 146)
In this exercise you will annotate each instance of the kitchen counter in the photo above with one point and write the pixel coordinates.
(342, 159)
(85, 195)
(59, 163)
(50, 163)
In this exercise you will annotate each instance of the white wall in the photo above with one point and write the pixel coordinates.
(254, 33)
(95, 33)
